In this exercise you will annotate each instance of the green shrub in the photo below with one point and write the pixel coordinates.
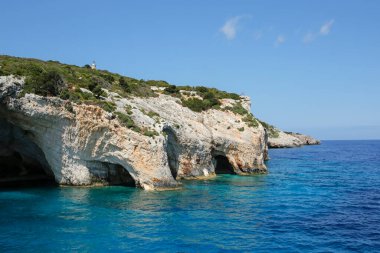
(159, 83)
(149, 133)
(82, 77)
(204, 92)
(171, 89)
(124, 85)
(74, 75)
(271, 130)
(250, 120)
(128, 109)
(48, 83)
(194, 104)
(107, 106)
(127, 121)
(237, 108)
(76, 95)
(199, 105)
(96, 87)
(153, 114)
(98, 92)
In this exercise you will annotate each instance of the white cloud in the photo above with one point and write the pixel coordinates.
(279, 40)
(323, 31)
(326, 27)
(230, 27)
(309, 37)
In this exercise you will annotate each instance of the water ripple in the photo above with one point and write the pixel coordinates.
(315, 199)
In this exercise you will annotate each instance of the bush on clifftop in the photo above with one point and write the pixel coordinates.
(48, 83)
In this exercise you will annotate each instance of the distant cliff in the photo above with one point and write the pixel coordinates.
(291, 140)
(81, 126)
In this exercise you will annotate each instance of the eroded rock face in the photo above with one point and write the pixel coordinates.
(194, 139)
(84, 145)
(305, 139)
(291, 140)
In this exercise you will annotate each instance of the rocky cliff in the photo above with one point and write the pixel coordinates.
(81, 144)
(81, 126)
(290, 140)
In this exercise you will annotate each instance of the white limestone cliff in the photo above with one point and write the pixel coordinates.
(85, 145)
(291, 140)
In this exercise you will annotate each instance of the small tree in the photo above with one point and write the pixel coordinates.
(48, 83)
(98, 91)
(171, 89)
(123, 84)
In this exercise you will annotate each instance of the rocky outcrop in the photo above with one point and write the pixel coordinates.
(305, 139)
(82, 144)
(291, 140)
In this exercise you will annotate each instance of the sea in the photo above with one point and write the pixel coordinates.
(323, 198)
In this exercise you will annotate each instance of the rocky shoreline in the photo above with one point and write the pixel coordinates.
(83, 145)
(291, 140)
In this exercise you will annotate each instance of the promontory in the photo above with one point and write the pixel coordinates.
(82, 126)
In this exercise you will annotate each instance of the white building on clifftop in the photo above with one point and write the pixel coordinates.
(93, 65)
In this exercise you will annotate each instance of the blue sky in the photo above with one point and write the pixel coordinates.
(309, 66)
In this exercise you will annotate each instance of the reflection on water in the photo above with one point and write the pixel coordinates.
(312, 200)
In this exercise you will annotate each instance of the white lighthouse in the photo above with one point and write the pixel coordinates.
(93, 65)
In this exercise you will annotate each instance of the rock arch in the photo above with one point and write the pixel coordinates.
(221, 163)
(22, 162)
(107, 173)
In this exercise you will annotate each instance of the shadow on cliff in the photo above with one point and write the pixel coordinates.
(222, 165)
(22, 162)
(173, 150)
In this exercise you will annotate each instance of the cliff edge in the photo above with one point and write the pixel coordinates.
(81, 126)
(149, 141)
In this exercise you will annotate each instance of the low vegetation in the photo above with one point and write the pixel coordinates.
(251, 120)
(271, 130)
(237, 108)
(248, 118)
(85, 85)
(52, 78)
(127, 121)
(210, 97)
(199, 105)
(149, 132)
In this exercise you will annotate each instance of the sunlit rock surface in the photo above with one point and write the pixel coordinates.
(84, 145)
(291, 140)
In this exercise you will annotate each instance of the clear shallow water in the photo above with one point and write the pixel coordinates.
(315, 199)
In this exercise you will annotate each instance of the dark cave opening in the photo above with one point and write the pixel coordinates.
(118, 175)
(22, 162)
(17, 170)
(223, 166)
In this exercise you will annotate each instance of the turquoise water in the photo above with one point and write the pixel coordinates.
(315, 199)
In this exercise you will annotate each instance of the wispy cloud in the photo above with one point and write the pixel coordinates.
(326, 27)
(323, 31)
(257, 35)
(309, 37)
(229, 29)
(279, 40)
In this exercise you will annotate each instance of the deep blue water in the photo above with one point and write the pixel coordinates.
(315, 199)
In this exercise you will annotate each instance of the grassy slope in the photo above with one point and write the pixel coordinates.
(75, 77)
